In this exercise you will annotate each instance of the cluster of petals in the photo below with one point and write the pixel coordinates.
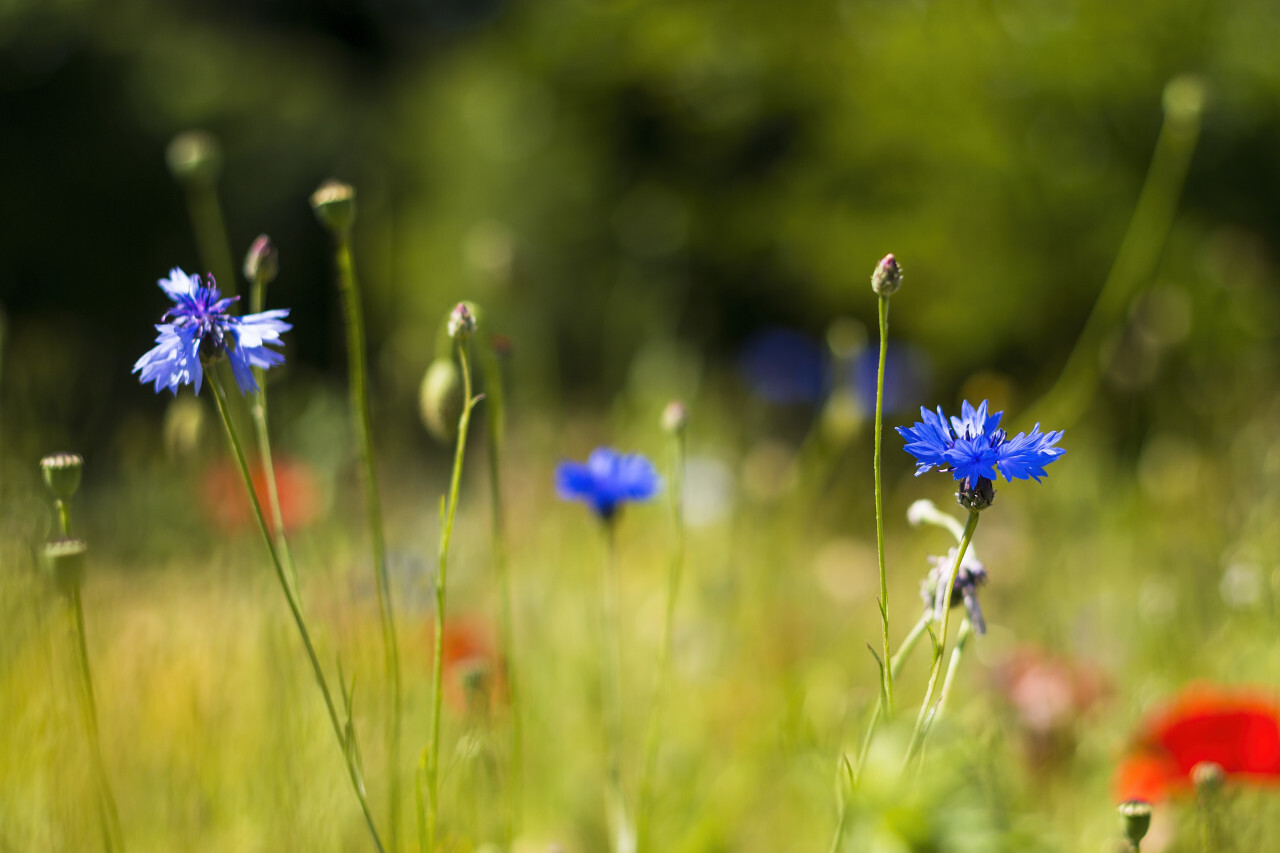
(973, 447)
(607, 480)
(1237, 730)
(201, 325)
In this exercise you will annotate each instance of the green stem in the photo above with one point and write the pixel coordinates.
(644, 817)
(258, 411)
(448, 511)
(921, 729)
(64, 517)
(358, 380)
(1135, 263)
(962, 639)
(113, 837)
(611, 666)
(353, 768)
(418, 802)
(496, 412)
(887, 671)
(211, 234)
(895, 665)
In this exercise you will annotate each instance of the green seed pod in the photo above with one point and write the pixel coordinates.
(62, 474)
(335, 206)
(440, 399)
(1135, 818)
(194, 157)
(64, 563)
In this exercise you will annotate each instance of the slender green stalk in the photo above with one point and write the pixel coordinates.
(339, 730)
(211, 233)
(957, 654)
(64, 516)
(886, 670)
(611, 666)
(113, 837)
(921, 728)
(449, 509)
(645, 815)
(1138, 256)
(358, 380)
(258, 411)
(419, 802)
(496, 412)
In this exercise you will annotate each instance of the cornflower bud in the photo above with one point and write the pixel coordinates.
(62, 474)
(334, 204)
(261, 262)
(1135, 817)
(462, 323)
(675, 417)
(64, 561)
(887, 278)
(194, 157)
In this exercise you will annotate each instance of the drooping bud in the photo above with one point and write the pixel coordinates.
(1135, 818)
(194, 158)
(675, 417)
(887, 278)
(261, 262)
(64, 562)
(62, 474)
(440, 399)
(976, 496)
(462, 322)
(335, 206)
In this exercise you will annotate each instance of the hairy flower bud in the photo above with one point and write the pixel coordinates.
(261, 262)
(440, 399)
(675, 417)
(334, 204)
(462, 322)
(1135, 818)
(64, 562)
(62, 474)
(976, 496)
(194, 157)
(887, 278)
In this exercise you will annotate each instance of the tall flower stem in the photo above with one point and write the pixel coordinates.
(611, 689)
(258, 412)
(886, 669)
(921, 728)
(358, 381)
(957, 654)
(343, 732)
(448, 509)
(674, 571)
(496, 416)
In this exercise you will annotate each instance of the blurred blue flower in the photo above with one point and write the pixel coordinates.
(974, 448)
(607, 479)
(784, 366)
(906, 375)
(200, 325)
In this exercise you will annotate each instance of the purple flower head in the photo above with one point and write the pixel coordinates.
(607, 479)
(974, 448)
(972, 575)
(200, 325)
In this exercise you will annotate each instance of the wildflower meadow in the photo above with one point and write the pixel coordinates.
(639, 427)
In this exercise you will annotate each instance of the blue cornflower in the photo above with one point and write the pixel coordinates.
(200, 325)
(784, 367)
(974, 448)
(607, 479)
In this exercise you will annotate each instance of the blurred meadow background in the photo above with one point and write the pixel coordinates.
(649, 201)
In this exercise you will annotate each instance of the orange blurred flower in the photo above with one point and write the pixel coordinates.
(228, 505)
(1239, 730)
(473, 672)
(1048, 695)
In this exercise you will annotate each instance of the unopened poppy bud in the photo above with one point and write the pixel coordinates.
(440, 399)
(1135, 818)
(887, 278)
(462, 322)
(675, 417)
(261, 262)
(62, 474)
(335, 206)
(1208, 777)
(64, 561)
(194, 157)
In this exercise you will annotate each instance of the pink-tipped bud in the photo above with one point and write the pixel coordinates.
(462, 322)
(261, 262)
(887, 278)
(675, 417)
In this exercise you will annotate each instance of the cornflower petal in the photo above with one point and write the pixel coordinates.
(607, 479)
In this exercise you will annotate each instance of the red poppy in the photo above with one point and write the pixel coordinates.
(228, 505)
(1237, 730)
(467, 649)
